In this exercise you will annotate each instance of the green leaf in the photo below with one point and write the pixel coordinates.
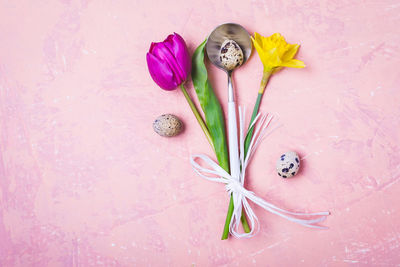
(210, 106)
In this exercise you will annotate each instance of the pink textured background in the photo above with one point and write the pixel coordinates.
(84, 180)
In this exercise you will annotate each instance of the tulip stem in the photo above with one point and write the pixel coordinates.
(197, 115)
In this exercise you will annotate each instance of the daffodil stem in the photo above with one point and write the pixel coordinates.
(197, 115)
(264, 82)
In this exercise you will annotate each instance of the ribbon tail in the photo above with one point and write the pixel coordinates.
(282, 213)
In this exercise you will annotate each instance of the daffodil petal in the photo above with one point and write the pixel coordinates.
(258, 48)
(294, 63)
(258, 38)
(291, 52)
(278, 38)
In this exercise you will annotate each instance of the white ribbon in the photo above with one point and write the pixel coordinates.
(213, 172)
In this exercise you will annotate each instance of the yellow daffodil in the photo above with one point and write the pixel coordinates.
(274, 53)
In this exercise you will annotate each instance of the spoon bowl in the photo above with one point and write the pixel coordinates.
(228, 31)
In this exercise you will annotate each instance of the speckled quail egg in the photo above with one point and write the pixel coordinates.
(168, 125)
(288, 164)
(230, 55)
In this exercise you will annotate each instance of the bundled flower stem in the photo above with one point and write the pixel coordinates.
(215, 122)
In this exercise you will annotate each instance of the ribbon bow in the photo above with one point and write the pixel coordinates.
(213, 172)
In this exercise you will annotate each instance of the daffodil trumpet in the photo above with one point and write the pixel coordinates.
(275, 53)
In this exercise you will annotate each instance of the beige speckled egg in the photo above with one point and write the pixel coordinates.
(168, 125)
(288, 164)
(230, 55)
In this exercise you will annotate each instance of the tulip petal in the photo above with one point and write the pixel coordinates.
(161, 72)
(152, 47)
(178, 48)
(162, 52)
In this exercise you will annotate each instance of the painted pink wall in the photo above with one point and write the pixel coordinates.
(84, 180)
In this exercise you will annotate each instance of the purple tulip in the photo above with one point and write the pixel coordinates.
(169, 62)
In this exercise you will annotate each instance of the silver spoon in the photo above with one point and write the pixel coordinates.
(235, 32)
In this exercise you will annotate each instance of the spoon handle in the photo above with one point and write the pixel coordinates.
(232, 132)
(233, 141)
